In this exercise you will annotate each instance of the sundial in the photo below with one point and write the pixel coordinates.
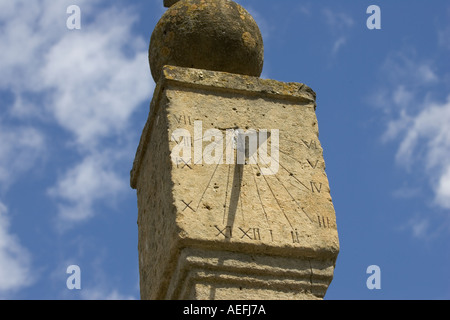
(233, 198)
(248, 171)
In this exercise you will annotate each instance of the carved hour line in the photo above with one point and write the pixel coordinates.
(203, 138)
(184, 139)
(293, 176)
(210, 179)
(283, 152)
(241, 174)
(207, 186)
(298, 205)
(276, 199)
(296, 179)
(313, 184)
(292, 141)
(311, 145)
(311, 163)
(292, 197)
(199, 161)
(226, 195)
(259, 196)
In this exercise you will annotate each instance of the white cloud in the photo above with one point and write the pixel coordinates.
(96, 85)
(95, 91)
(418, 120)
(406, 68)
(406, 192)
(443, 189)
(337, 20)
(444, 37)
(402, 96)
(20, 148)
(90, 181)
(93, 79)
(424, 144)
(304, 8)
(428, 136)
(419, 226)
(15, 260)
(338, 44)
(339, 24)
(87, 82)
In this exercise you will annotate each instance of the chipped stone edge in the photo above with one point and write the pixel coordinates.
(218, 82)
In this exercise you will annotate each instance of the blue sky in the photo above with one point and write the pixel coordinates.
(73, 104)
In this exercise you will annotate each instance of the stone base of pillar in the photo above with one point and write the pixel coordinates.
(213, 275)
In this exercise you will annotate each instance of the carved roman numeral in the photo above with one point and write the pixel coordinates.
(295, 238)
(181, 163)
(312, 163)
(316, 186)
(252, 234)
(323, 222)
(183, 119)
(187, 205)
(226, 232)
(311, 145)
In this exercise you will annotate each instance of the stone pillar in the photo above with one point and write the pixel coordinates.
(233, 198)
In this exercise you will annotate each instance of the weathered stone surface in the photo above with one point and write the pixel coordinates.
(216, 35)
(226, 231)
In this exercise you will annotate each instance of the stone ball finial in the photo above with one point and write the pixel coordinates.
(217, 35)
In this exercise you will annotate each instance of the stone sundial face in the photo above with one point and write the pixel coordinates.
(274, 193)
